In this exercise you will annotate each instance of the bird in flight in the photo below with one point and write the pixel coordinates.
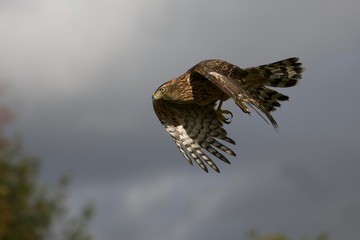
(189, 106)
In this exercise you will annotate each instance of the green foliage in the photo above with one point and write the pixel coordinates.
(30, 211)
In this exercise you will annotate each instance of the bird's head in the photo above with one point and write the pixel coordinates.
(158, 94)
(164, 92)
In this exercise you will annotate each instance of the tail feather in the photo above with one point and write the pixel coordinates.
(282, 74)
(285, 73)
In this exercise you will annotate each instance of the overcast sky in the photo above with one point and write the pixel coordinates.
(80, 75)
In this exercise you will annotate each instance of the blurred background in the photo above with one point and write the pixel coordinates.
(78, 77)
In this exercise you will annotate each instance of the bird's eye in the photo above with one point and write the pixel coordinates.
(162, 90)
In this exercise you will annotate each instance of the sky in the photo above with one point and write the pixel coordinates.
(80, 75)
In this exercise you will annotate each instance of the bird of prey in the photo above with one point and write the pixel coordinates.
(189, 106)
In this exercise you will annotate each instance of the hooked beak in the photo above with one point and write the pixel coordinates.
(155, 96)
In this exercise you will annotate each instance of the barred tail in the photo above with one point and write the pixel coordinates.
(285, 73)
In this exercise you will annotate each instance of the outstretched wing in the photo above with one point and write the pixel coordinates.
(195, 128)
(250, 85)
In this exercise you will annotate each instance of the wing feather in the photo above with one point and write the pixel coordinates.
(195, 129)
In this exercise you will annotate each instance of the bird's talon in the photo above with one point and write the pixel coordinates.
(224, 116)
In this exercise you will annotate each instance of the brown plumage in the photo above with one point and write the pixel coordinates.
(186, 105)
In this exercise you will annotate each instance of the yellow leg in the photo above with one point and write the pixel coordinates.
(224, 116)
